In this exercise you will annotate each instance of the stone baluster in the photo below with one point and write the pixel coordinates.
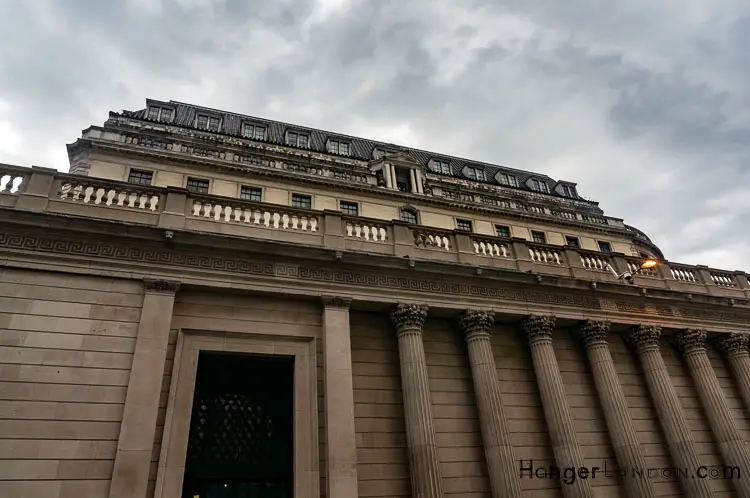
(538, 331)
(645, 340)
(426, 480)
(501, 462)
(735, 348)
(692, 345)
(627, 448)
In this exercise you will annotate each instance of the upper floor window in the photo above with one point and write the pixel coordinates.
(210, 123)
(301, 201)
(197, 185)
(474, 173)
(408, 216)
(605, 247)
(254, 131)
(506, 179)
(572, 242)
(349, 208)
(568, 191)
(539, 186)
(140, 177)
(463, 225)
(296, 139)
(251, 193)
(502, 231)
(538, 237)
(156, 113)
(440, 166)
(338, 147)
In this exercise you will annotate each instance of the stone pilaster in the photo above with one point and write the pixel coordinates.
(594, 335)
(138, 428)
(501, 462)
(645, 340)
(692, 345)
(341, 447)
(426, 480)
(538, 331)
(735, 349)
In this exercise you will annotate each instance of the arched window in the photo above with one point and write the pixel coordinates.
(408, 215)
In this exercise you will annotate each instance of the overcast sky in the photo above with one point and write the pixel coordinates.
(646, 105)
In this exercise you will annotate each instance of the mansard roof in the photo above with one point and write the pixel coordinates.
(360, 148)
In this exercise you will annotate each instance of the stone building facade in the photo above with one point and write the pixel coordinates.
(217, 305)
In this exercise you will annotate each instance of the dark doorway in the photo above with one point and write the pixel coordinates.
(241, 442)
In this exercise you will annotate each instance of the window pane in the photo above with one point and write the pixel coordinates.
(248, 132)
(153, 113)
(197, 185)
(202, 122)
(408, 216)
(349, 208)
(291, 139)
(464, 225)
(301, 201)
(572, 242)
(344, 149)
(502, 231)
(538, 237)
(260, 133)
(303, 140)
(480, 174)
(251, 194)
(213, 124)
(140, 177)
(166, 115)
(605, 247)
(334, 147)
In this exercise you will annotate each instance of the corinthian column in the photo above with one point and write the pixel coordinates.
(538, 330)
(426, 481)
(498, 450)
(734, 347)
(612, 398)
(692, 345)
(645, 340)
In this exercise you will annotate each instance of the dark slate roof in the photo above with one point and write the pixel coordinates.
(231, 124)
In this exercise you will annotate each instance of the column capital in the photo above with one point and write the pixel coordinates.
(476, 322)
(407, 317)
(161, 286)
(689, 341)
(538, 327)
(643, 337)
(594, 332)
(336, 301)
(731, 344)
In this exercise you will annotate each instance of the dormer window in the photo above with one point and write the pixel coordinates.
(439, 166)
(296, 139)
(205, 122)
(164, 114)
(539, 186)
(474, 173)
(568, 191)
(507, 180)
(254, 131)
(338, 147)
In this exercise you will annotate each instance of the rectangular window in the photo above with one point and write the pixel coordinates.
(254, 194)
(463, 225)
(605, 247)
(197, 185)
(538, 237)
(440, 167)
(539, 186)
(160, 114)
(208, 123)
(572, 242)
(349, 208)
(140, 177)
(336, 147)
(408, 216)
(506, 179)
(301, 201)
(256, 132)
(153, 113)
(297, 139)
(502, 231)
(568, 191)
(166, 115)
(475, 173)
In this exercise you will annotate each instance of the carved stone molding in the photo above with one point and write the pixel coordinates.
(162, 286)
(731, 344)
(336, 301)
(643, 337)
(475, 323)
(594, 332)
(409, 317)
(689, 341)
(538, 327)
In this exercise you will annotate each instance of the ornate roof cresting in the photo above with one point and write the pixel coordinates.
(643, 337)
(408, 317)
(594, 332)
(538, 327)
(689, 341)
(474, 322)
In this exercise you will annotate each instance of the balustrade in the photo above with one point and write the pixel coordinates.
(684, 274)
(229, 211)
(432, 239)
(107, 193)
(11, 181)
(635, 267)
(723, 279)
(595, 262)
(545, 255)
(492, 248)
(366, 230)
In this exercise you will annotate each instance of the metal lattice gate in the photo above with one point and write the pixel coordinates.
(241, 428)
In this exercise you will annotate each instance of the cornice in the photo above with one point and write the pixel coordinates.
(330, 182)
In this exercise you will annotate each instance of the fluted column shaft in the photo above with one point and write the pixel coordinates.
(538, 330)
(645, 339)
(692, 345)
(627, 448)
(426, 480)
(735, 347)
(498, 450)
